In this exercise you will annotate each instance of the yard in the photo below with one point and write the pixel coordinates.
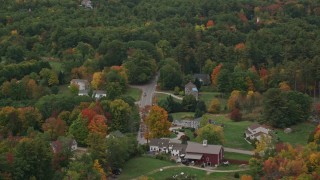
(208, 96)
(299, 134)
(187, 171)
(233, 131)
(161, 96)
(237, 156)
(140, 166)
(134, 92)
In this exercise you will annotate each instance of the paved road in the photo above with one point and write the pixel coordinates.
(146, 99)
(238, 151)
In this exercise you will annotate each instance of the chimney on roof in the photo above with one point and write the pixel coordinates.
(204, 143)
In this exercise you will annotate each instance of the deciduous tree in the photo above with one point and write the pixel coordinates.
(212, 133)
(157, 122)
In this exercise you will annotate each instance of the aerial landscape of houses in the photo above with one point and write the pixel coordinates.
(159, 90)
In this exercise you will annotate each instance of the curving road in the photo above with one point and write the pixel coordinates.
(148, 91)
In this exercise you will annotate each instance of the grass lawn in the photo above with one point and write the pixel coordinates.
(161, 96)
(208, 96)
(199, 174)
(183, 115)
(166, 173)
(299, 134)
(140, 166)
(237, 156)
(134, 92)
(63, 89)
(233, 132)
(57, 66)
(230, 167)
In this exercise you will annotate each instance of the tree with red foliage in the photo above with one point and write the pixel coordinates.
(210, 23)
(98, 125)
(215, 73)
(55, 127)
(235, 114)
(88, 113)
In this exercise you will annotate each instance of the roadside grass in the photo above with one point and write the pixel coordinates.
(161, 96)
(229, 167)
(135, 93)
(141, 166)
(299, 135)
(237, 156)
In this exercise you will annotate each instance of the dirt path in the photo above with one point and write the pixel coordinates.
(174, 96)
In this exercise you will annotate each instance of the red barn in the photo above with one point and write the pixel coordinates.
(208, 155)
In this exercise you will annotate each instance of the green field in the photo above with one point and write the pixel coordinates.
(140, 166)
(187, 171)
(237, 156)
(208, 96)
(161, 96)
(233, 131)
(183, 115)
(299, 134)
(134, 92)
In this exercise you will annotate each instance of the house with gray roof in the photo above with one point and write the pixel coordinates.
(255, 131)
(204, 154)
(191, 89)
(167, 146)
(203, 78)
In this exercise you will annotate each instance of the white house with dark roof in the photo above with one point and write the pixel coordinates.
(255, 131)
(167, 146)
(191, 89)
(99, 94)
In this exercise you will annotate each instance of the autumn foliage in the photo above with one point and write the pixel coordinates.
(157, 123)
(215, 73)
(210, 23)
(98, 125)
(236, 115)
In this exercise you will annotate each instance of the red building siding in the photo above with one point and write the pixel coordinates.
(210, 159)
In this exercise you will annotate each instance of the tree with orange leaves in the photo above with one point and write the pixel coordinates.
(246, 177)
(98, 125)
(157, 122)
(215, 74)
(97, 80)
(210, 23)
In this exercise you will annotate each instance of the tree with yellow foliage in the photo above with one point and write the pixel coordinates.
(284, 86)
(97, 166)
(246, 177)
(233, 99)
(97, 80)
(157, 123)
(214, 106)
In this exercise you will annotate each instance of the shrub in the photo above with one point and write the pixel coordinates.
(236, 175)
(236, 115)
(176, 90)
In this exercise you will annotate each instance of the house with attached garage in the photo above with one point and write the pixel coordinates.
(204, 154)
(255, 131)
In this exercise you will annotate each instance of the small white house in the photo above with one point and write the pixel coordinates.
(83, 84)
(255, 131)
(99, 94)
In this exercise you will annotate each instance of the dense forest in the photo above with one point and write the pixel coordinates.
(248, 47)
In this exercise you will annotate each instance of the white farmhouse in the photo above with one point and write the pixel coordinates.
(255, 131)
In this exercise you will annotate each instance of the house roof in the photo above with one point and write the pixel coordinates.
(248, 132)
(180, 147)
(199, 148)
(205, 78)
(159, 142)
(255, 126)
(99, 92)
(190, 85)
(83, 92)
(259, 134)
(193, 156)
(116, 133)
(79, 81)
